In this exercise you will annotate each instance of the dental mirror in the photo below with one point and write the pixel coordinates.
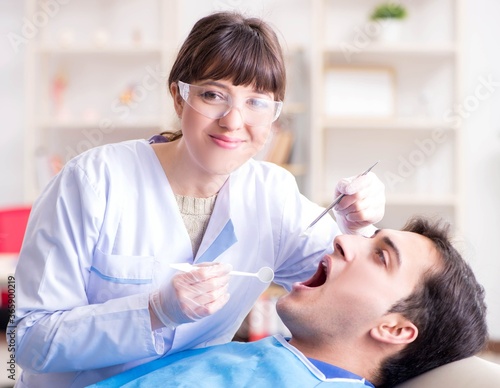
(265, 274)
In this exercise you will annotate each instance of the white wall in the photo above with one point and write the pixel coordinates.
(481, 120)
(481, 117)
(11, 106)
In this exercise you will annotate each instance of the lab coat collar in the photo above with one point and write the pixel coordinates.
(220, 234)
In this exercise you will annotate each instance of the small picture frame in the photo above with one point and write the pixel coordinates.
(360, 92)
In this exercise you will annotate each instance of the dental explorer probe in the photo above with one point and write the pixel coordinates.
(335, 201)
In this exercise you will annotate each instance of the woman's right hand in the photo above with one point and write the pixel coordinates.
(190, 296)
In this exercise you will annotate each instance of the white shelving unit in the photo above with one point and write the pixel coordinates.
(91, 55)
(94, 75)
(293, 118)
(419, 145)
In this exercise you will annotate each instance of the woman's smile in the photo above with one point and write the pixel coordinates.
(227, 142)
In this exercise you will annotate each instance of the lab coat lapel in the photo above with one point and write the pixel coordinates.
(220, 234)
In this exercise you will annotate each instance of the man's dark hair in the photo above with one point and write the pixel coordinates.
(447, 307)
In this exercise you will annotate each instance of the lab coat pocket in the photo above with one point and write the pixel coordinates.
(115, 276)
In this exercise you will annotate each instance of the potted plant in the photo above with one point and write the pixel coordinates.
(390, 16)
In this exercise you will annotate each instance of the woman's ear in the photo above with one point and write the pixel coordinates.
(394, 329)
(176, 95)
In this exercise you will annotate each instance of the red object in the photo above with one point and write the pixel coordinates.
(13, 223)
(12, 227)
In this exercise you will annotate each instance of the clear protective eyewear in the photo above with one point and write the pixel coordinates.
(215, 104)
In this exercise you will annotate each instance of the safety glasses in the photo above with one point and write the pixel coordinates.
(214, 103)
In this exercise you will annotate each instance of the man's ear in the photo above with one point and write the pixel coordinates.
(178, 101)
(394, 329)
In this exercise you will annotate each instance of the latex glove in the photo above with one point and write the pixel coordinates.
(363, 204)
(190, 296)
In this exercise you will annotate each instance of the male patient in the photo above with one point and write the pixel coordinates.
(377, 312)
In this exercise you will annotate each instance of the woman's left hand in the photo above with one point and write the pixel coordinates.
(363, 204)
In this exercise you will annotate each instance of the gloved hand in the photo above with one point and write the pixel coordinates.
(362, 206)
(192, 295)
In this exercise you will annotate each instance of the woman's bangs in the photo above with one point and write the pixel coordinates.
(245, 65)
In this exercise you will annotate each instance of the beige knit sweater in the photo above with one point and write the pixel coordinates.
(196, 213)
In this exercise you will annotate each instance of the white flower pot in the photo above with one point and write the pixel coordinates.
(390, 30)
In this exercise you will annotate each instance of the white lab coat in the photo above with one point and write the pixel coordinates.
(100, 239)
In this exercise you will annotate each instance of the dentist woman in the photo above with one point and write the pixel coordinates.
(95, 294)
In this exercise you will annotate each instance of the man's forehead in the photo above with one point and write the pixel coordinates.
(402, 234)
(410, 245)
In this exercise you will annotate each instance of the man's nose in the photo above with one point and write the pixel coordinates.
(347, 246)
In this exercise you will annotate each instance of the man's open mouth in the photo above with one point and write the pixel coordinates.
(319, 278)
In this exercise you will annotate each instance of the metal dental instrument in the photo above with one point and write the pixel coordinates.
(335, 201)
(265, 274)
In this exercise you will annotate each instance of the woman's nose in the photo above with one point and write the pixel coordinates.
(233, 120)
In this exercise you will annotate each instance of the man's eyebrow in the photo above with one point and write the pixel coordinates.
(391, 245)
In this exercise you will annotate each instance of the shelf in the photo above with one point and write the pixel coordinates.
(115, 123)
(385, 53)
(396, 124)
(105, 50)
(437, 200)
(418, 143)
(396, 49)
(410, 200)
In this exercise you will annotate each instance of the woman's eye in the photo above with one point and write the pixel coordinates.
(381, 256)
(258, 103)
(211, 96)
